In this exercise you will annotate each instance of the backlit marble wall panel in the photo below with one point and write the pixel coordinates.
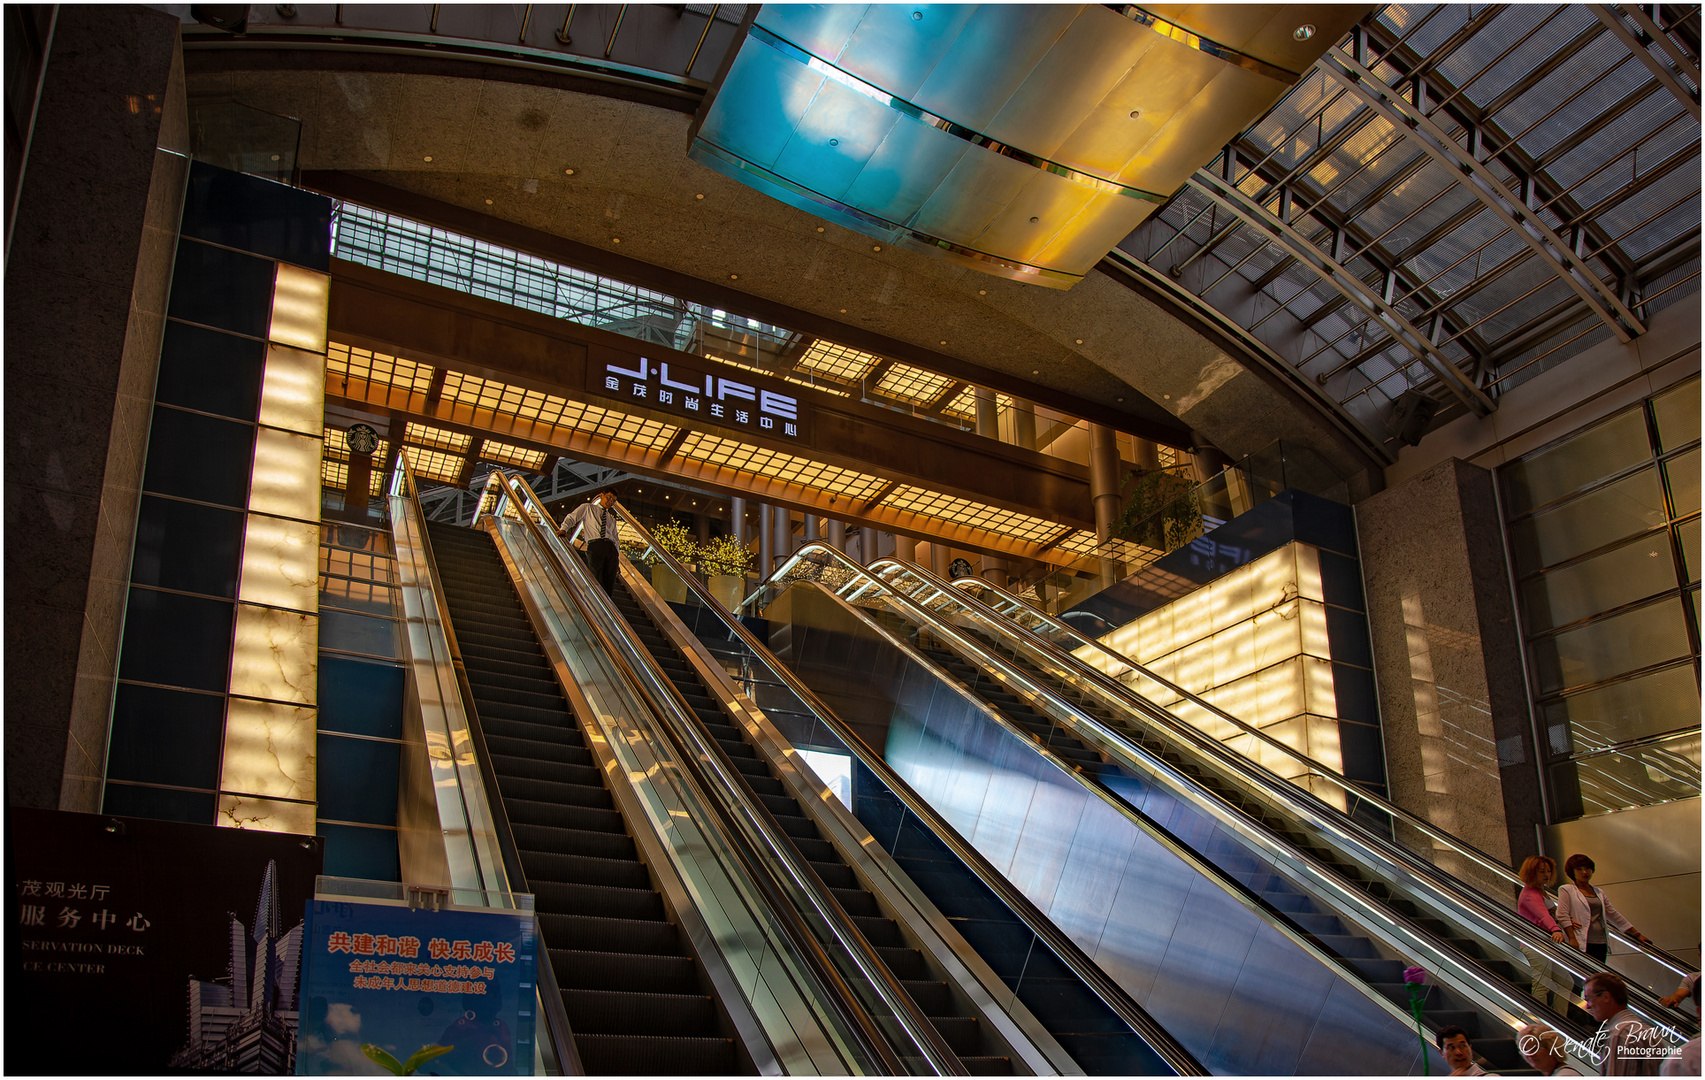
(267, 773)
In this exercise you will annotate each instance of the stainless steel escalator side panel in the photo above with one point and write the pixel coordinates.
(1447, 898)
(1170, 913)
(752, 973)
(447, 829)
(1026, 1040)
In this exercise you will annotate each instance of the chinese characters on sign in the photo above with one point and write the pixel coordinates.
(712, 399)
(382, 980)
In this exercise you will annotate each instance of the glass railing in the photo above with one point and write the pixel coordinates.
(1142, 1048)
(1340, 861)
(878, 1020)
(1458, 860)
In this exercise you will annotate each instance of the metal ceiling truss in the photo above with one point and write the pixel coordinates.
(1515, 210)
(1612, 18)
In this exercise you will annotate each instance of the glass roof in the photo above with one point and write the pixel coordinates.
(1453, 199)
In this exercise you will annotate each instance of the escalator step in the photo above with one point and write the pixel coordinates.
(522, 788)
(879, 930)
(602, 901)
(647, 936)
(534, 725)
(623, 1012)
(564, 817)
(557, 750)
(655, 1055)
(836, 875)
(510, 766)
(903, 962)
(624, 972)
(932, 997)
(551, 840)
(959, 1032)
(585, 870)
(856, 902)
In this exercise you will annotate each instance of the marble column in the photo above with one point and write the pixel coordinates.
(1104, 491)
(1453, 702)
(837, 535)
(782, 521)
(737, 519)
(905, 548)
(940, 555)
(870, 547)
(813, 528)
(988, 413)
(766, 541)
(97, 215)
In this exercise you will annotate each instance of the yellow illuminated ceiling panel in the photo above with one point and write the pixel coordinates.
(335, 474)
(794, 379)
(518, 456)
(903, 382)
(837, 361)
(975, 515)
(964, 403)
(743, 457)
(377, 368)
(436, 438)
(1082, 542)
(433, 465)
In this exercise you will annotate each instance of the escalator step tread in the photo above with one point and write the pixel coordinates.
(603, 901)
(624, 972)
(552, 791)
(655, 1055)
(532, 768)
(584, 870)
(588, 818)
(628, 1012)
(558, 750)
(602, 934)
(551, 839)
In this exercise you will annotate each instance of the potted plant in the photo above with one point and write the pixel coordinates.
(727, 561)
(673, 537)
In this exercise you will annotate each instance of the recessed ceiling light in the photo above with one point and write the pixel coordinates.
(1168, 397)
(1080, 341)
(1303, 32)
(982, 292)
(876, 247)
(733, 277)
(428, 157)
(1034, 220)
(615, 239)
(843, 311)
(834, 142)
(1035, 371)
(568, 172)
(917, 16)
(819, 228)
(1136, 114)
(944, 341)
(275, 157)
(488, 202)
(700, 195)
(1118, 399)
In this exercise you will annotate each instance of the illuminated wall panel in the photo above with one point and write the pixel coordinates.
(1255, 643)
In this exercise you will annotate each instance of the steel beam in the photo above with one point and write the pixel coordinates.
(1613, 20)
(1477, 178)
(1347, 284)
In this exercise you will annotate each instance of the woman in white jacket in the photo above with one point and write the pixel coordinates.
(1583, 911)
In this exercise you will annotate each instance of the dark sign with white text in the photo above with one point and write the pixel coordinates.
(180, 942)
(746, 403)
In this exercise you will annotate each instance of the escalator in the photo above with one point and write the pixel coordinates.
(635, 996)
(1004, 989)
(960, 1031)
(1349, 923)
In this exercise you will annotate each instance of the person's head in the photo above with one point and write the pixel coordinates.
(1542, 1047)
(606, 498)
(1537, 870)
(1454, 1044)
(1579, 869)
(1606, 995)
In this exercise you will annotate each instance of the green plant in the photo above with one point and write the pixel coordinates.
(404, 1068)
(725, 555)
(1160, 512)
(673, 537)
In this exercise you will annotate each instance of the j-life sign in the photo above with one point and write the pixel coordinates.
(710, 399)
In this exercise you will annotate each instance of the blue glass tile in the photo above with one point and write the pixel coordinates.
(352, 851)
(361, 698)
(166, 737)
(357, 633)
(1341, 577)
(199, 457)
(259, 216)
(358, 779)
(211, 372)
(176, 640)
(162, 804)
(221, 288)
(1347, 635)
(187, 546)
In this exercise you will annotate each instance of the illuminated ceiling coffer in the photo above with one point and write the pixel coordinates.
(1024, 140)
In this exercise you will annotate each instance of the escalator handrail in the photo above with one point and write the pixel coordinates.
(1100, 983)
(1418, 940)
(557, 1024)
(736, 804)
(1259, 773)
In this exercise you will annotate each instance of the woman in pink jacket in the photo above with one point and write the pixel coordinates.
(1536, 872)
(1583, 911)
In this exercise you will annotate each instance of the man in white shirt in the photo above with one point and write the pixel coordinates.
(1627, 1046)
(600, 523)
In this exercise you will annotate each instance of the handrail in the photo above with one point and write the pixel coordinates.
(1374, 912)
(557, 1024)
(1099, 982)
(750, 820)
(1288, 794)
(1315, 768)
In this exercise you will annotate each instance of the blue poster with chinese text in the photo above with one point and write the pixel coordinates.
(390, 990)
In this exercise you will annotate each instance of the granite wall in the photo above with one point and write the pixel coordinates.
(86, 286)
(1458, 741)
